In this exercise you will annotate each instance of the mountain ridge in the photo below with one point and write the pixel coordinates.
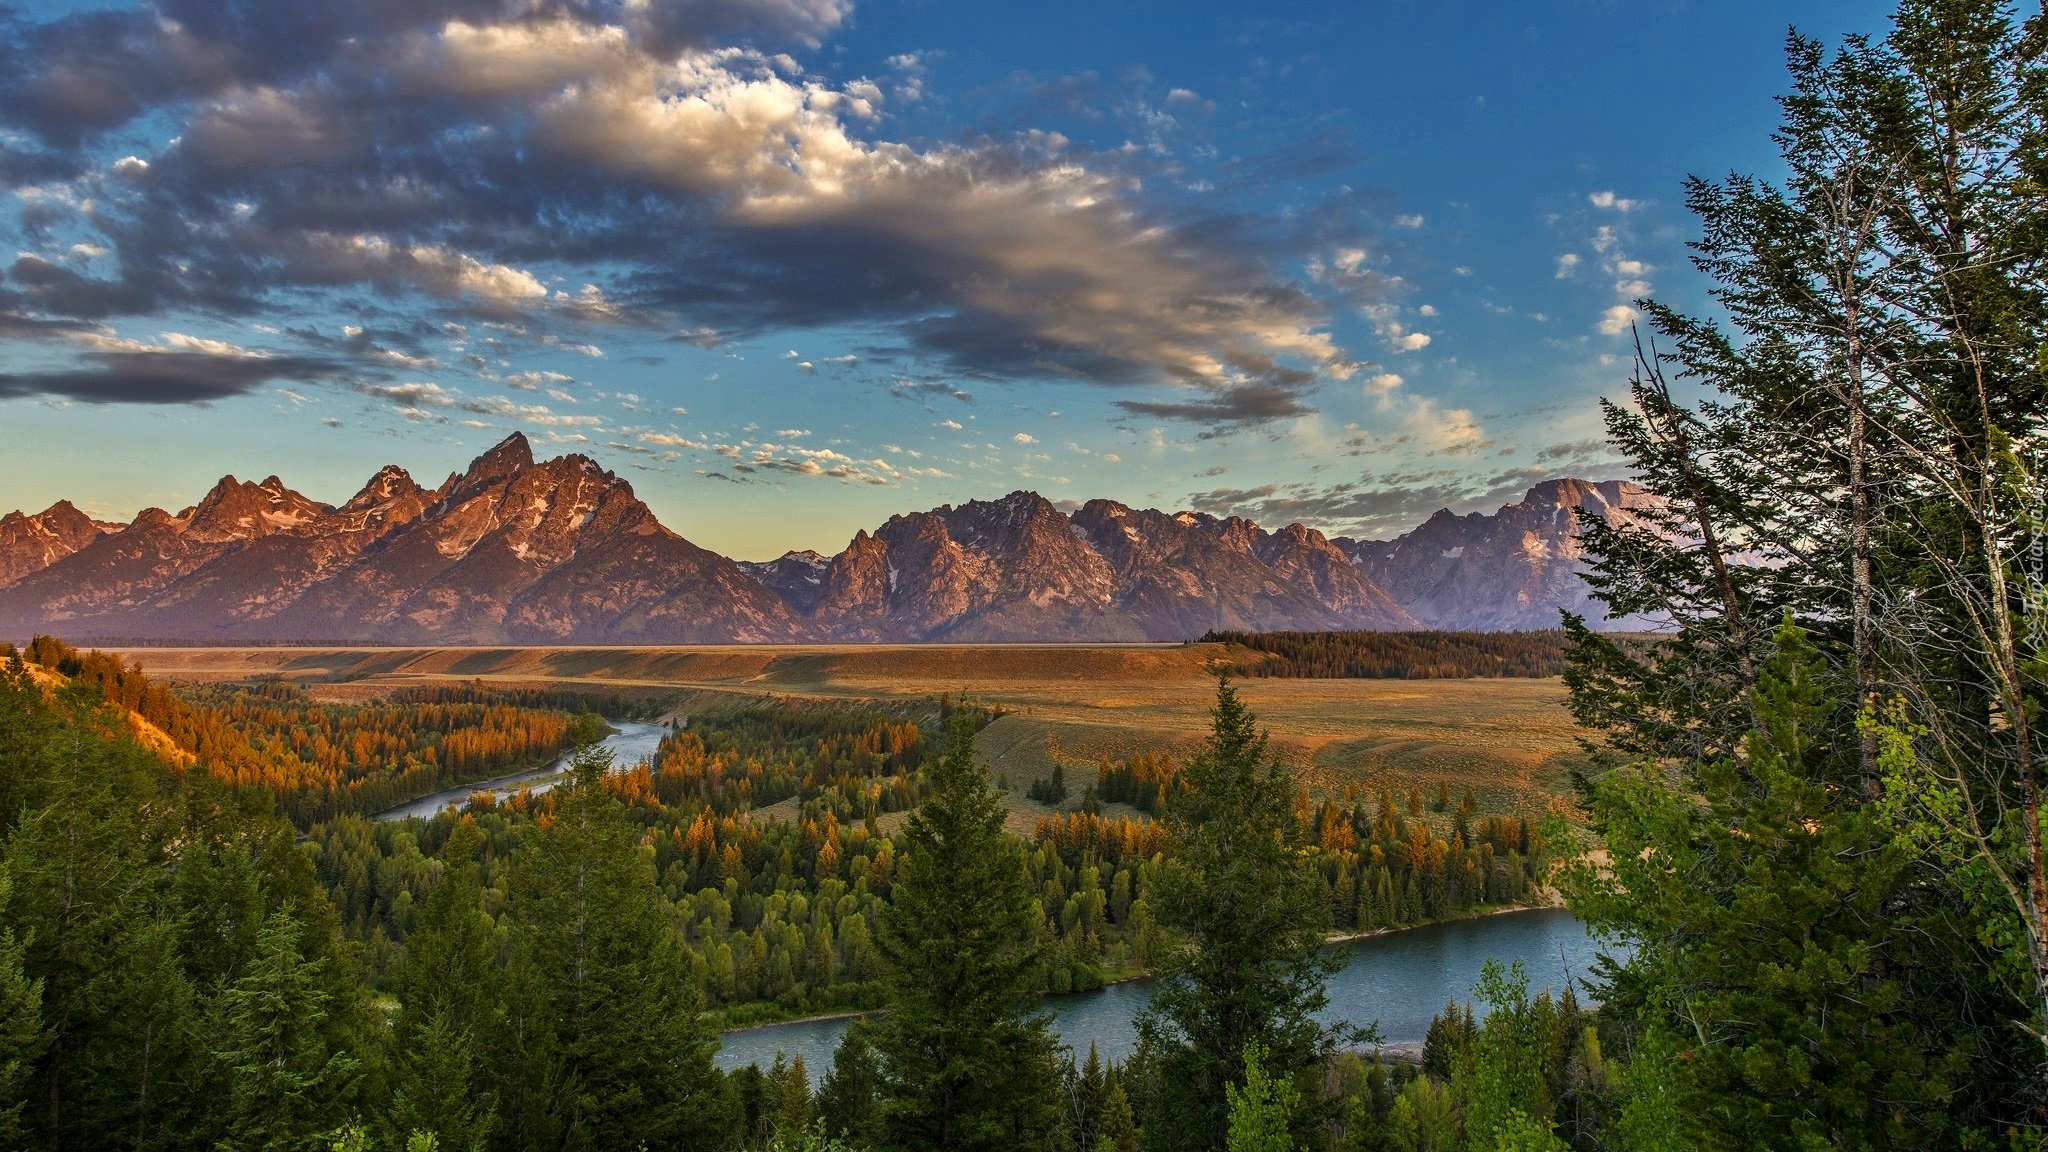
(514, 550)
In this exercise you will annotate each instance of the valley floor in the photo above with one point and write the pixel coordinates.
(1510, 740)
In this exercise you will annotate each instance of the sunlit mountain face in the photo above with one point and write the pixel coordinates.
(515, 550)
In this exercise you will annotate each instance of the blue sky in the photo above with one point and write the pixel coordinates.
(791, 266)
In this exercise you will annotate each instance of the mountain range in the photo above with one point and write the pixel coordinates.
(519, 551)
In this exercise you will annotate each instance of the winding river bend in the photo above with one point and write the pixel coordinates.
(630, 743)
(1401, 979)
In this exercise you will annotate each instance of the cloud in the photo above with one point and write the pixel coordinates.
(1618, 320)
(454, 157)
(1382, 384)
(1567, 264)
(1443, 431)
(1025, 438)
(1241, 405)
(163, 376)
(1610, 201)
(413, 395)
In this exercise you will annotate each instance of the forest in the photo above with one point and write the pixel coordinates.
(322, 759)
(1395, 655)
(1813, 810)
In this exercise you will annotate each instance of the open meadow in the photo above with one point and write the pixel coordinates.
(1510, 740)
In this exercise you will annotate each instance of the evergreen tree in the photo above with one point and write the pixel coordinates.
(1424, 1118)
(1450, 1032)
(1865, 458)
(449, 1008)
(789, 1087)
(285, 1087)
(21, 1031)
(437, 1094)
(1761, 909)
(847, 1102)
(965, 1064)
(1118, 1131)
(1247, 970)
(1261, 1113)
(629, 1053)
(83, 881)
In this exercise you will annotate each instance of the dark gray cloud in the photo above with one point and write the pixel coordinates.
(163, 377)
(1235, 406)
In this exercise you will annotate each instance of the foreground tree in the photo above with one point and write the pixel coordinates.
(1763, 914)
(964, 1061)
(620, 1055)
(21, 1031)
(1247, 972)
(1865, 459)
(286, 1082)
(450, 1010)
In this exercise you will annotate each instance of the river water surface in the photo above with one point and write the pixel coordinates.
(1400, 979)
(630, 743)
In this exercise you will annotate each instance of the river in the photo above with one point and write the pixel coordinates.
(629, 743)
(1400, 979)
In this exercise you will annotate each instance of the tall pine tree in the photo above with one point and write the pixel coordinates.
(965, 1062)
(1248, 969)
(627, 1054)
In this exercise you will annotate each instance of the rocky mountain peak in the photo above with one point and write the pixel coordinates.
(239, 510)
(561, 551)
(390, 483)
(506, 459)
(32, 543)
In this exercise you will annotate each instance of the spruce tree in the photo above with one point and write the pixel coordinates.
(285, 1087)
(847, 1098)
(1868, 446)
(965, 1062)
(628, 1054)
(1760, 909)
(21, 1031)
(450, 1008)
(1247, 969)
(1118, 1131)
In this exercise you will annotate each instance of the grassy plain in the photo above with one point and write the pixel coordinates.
(1509, 739)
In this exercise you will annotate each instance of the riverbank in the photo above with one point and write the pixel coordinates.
(728, 1027)
(1397, 980)
(629, 741)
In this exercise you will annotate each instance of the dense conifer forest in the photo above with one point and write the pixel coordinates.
(1395, 655)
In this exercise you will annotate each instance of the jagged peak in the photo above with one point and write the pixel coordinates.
(507, 458)
(389, 483)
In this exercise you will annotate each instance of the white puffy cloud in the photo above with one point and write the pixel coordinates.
(1618, 319)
